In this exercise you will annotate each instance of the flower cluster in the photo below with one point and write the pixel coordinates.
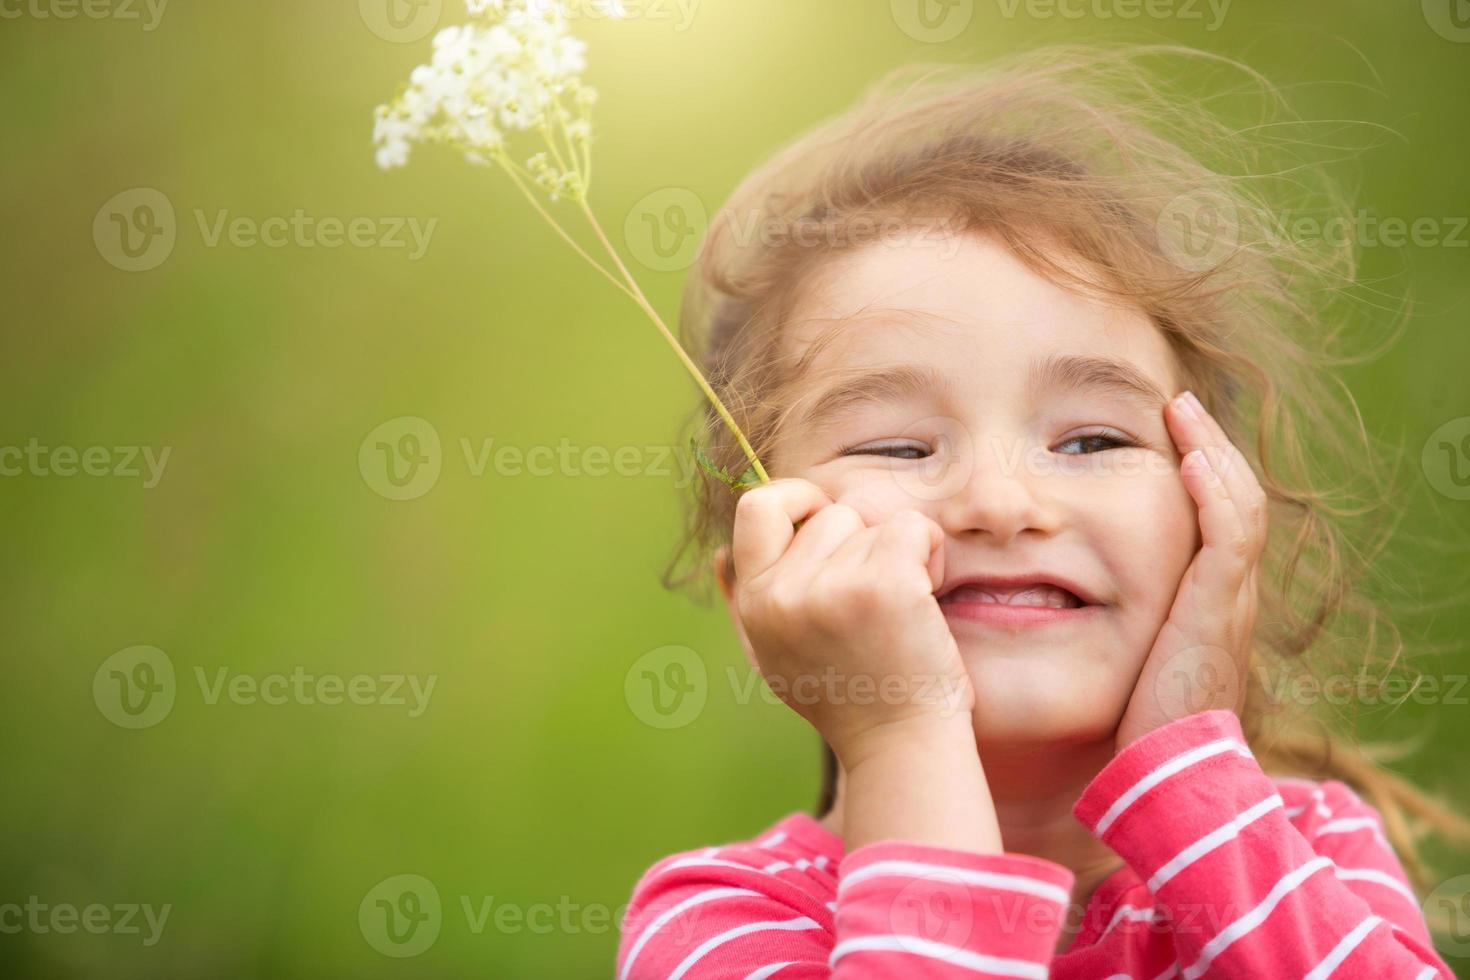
(513, 67)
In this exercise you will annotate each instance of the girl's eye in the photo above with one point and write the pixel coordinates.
(1094, 442)
(893, 450)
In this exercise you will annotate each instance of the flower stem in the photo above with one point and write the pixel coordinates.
(647, 307)
(550, 137)
(509, 168)
(587, 164)
(561, 128)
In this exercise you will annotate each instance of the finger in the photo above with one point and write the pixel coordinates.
(908, 537)
(1245, 492)
(855, 550)
(1247, 605)
(1224, 557)
(822, 534)
(1187, 425)
(1230, 462)
(765, 522)
(1201, 429)
(1192, 427)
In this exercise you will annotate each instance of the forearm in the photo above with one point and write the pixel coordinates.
(1189, 808)
(920, 782)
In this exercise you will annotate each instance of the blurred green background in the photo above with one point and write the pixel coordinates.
(530, 780)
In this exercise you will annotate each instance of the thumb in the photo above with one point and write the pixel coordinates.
(936, 556)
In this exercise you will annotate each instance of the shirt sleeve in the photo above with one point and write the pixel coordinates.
(1245, 892)
(901, 909)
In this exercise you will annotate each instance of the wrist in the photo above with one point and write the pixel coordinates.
(933, 733)
(919, 781)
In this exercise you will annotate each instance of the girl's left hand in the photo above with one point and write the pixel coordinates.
(1201, 657)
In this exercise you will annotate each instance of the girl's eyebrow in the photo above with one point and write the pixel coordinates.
(889, 383)
(1075, 372)
(1090, 372)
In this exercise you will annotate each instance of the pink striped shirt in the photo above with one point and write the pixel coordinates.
(1228, 873)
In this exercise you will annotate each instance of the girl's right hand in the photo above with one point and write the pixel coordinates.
(842, 618)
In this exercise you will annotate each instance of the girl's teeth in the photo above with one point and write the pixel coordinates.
(1046, 596)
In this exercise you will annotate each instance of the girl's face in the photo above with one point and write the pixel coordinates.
(1027, 421)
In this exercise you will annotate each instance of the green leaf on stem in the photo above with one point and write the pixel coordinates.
(747, 479)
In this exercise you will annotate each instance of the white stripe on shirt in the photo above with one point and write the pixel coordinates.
(1341, 951)
(997, 965)
(1347, 825)
(1227, 831)
(710, 945)
(965, 876)
(708, 895)
(1378, 877)
(1158, 775)
(1246, 923)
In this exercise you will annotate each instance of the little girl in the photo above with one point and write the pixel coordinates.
(999, 339)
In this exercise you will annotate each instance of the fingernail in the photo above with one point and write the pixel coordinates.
(1185, 402)
(1201, 463)
(1199, 410)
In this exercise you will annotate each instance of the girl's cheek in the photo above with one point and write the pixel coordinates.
(1150, 528)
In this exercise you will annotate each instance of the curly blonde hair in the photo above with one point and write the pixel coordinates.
(1070, 154)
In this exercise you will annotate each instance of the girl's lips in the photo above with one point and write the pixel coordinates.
(1001, 614)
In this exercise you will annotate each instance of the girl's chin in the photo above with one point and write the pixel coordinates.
(1061, 691)
(1046, 723)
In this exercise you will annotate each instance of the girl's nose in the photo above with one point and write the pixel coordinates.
(994, 493)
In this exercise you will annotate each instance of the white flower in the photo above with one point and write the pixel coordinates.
(504, 71)
(514, 67)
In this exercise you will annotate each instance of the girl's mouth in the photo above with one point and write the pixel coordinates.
(1026, 604)
(1040, 594)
